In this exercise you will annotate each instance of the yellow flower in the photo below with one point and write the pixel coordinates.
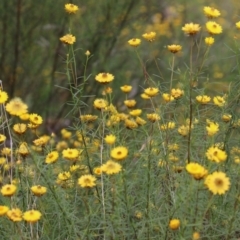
(134, 42)
(219, 101)
(23, 149)
(63, 176)
(41, 141)
(3, 210)
(196, 236)
(15, 215)
(88, 118)
(174, 48)
(24, 116)
(226, 117)
(35, 119)
(87, 181)
(104, 78)
(71, 8)
(32, 216)
(153, 117)
(130, 124)
(38, 190)
(111, 167)
(97, 170)
(3, 97)
(209, 41)
(168, 97)
(110, 139)
(211, 12)
(169, 125)
(8, 190)
(70, 154)
(149, 36)
(140, 121)
(216, 154)
(238, 25)
(68, 39)
(174, 224)
(19, 128)
(130, 103)
(126, 88)
(151, 92)
(65, 133)
(145, 96)
(135, 112)
(6, 151)
(16, 107)
(213, 27)
(191, 28)
(100, 104)
(183, 130)
(52, 157)
(2, 138)
(212, 128)
(203, 99)
(177, 93)
(217, 183)
(119, 153)
(87, 53)
(196, 170)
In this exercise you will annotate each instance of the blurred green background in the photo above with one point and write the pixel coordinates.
(32, 59)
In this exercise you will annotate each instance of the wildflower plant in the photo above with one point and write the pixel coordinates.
(160, 163)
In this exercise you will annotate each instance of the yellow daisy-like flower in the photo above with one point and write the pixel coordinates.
(3, 210)
(110, 139)
(97, 171)
(191, 28)
(65, 133)
(140, 121)
(211, 12)
(196, 236)
(52, 157)
(136, 112)
(24, 116)
(71, 8)
(212, 128)
(111, 167)
(100, 104)
(134, 42)
(153, 117)
(130, 124)
(145, 96)
(226, 117)
(32, 216)
(174, 48)
(174, 224)
(104, 78)
(130, 103)
(119, 153)
(16, 107)
(151, 92)
(23, 149)
(177, 93)
(64, 176)
(196, 170)
(126, 88)
(41, 141)
(217, 183)
(35, 119)
(216, 154)
(6, 151)
(183, 130)
(149, 36)
(19, 128)
(87, 181)
(15, 215)
(238, 25)
(38, 190)
(169, 125)
(219, 101)
(168, 97)
(8, 190)
(68, 39)
(213, 27)
(203, 99)
(209, 41)
(2, 138)
(3, 97)
(88, 118)
(70, 154)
